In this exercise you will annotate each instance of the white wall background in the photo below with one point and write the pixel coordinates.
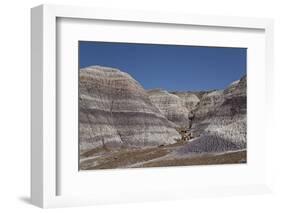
(15, 104)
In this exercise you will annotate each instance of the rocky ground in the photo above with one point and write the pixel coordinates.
(169, 155)
(124, 126)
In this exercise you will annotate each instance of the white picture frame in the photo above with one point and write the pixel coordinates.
(45, 168)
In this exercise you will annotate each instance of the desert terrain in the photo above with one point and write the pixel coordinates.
(122, 125)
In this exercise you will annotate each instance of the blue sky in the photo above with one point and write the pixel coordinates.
(170, 67)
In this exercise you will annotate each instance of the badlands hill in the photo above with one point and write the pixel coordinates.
(116, 111)
(220, 116)
(171, 106)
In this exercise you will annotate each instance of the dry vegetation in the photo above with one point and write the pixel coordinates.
(207, 159)
(154, 157)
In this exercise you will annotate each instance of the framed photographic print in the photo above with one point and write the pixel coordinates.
(129, 106)
(168, 111)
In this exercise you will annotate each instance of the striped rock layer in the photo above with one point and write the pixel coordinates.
(171, 106)
(222, 114)
(220, 122)
(190, 99)
(115, 111)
